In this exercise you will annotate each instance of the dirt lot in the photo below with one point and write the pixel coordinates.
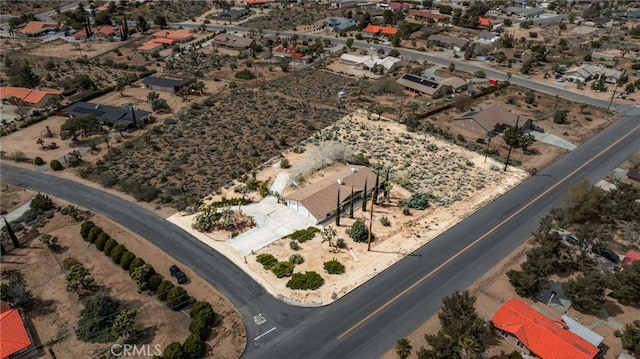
(406, 233)
(56, 314)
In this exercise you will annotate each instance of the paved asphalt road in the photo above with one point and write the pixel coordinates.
(312, 332)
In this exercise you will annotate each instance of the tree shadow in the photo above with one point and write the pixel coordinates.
(611, 309)
(43, 306)
(491, 339)
(413, 254)
(145, 335)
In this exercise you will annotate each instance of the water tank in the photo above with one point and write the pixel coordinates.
(342, 94)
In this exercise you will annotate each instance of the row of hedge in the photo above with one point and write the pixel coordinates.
(307, 280)
(202, 314)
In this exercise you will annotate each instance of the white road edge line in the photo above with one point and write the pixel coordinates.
(265, 333)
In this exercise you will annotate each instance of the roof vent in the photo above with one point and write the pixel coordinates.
(340, 181)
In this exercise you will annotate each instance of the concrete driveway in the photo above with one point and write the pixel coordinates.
(553, 140)
(273, 221)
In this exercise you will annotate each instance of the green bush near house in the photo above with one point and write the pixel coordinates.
(283, 269)
(267, 260)
(126, 260)
(334, 267)
(117, 252)
(108, 247)
(303, 235)
(305, 281)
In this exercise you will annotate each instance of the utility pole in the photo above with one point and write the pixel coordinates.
(510, 147)
(614, 94)
(370, 227)
(486, 152)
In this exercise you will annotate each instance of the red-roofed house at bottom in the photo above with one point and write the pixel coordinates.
(15, 340)
(535, 334)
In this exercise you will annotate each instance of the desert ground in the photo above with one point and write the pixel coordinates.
(55, 314)
(459, 186)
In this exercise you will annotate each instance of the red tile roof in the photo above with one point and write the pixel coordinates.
(14, 335)
(539, 334)
(631, 257)
(172, 34)
(485, 21)
(150, 46)
(399, 5)
(36, 27)
(27, 95)
(162, 40)
(374, 29)
(426, 14)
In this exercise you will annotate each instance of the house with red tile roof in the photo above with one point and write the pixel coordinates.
(102, 32)
(291, 53)
(485, 21)
(179, 36)
(423, 14)
(630, 257)
(150, 47)
(399, 5)
(38, 28)
(380, 30)
(30, 97)
(15, 339)
(535, 334)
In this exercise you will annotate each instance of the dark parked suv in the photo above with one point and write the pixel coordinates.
(610, 255)
(179, 274)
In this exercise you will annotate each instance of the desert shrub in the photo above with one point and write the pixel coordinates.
(296, 259)
(204, 311)
(109, 246)
(245, 75)
(480, 74)
(284, 163)
(69, 262)
(137, 262)
(163, 289)
(283, 269)
(303, 235)
(38, 161)
(85, 228)
(200, 328)
(173, 351)
(267, 260)
(334, 267)
(293, 244)
(385, 221)
(340, 243)
(529, 98)
(419, 200)
(41, 203)
(94, 233)
(154, 282)
(117, 252)
(358, 231)
(126, 259)
(193, 347)
(560, 116)
(177, 298)
(101, 241)
(461, 138)
(96, 319)
(56, 165)
(305, 281)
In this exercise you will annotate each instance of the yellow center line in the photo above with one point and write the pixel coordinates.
(419, 281)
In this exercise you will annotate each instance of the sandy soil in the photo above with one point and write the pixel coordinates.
(56, 314)
(405, 234)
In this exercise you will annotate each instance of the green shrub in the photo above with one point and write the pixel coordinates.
(245, 75)
(163, 289)
(117, 252)
(93, 234)
(193, 347)
(135, 264)
(419, 200)
(38, 161)
(85, 228)
(296, 259)
(126, 259)
(101, 241)
(283, 269)
(173, 351)
(385, 221)
(293, 244)
(341, 243)
(108, 247)
(308, 280)
(334, 267)
(204, 311)
(177, 298)
(358, 231)
(267, 260)
(154, 282)
(200, 328)
(56, 165)
(303, 235)
(560, 117)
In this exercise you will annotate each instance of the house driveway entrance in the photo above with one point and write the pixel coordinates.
(273, 221)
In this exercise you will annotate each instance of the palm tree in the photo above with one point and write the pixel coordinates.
(403, 348)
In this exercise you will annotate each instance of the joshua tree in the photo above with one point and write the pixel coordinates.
(12, 235)
(40, 141)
